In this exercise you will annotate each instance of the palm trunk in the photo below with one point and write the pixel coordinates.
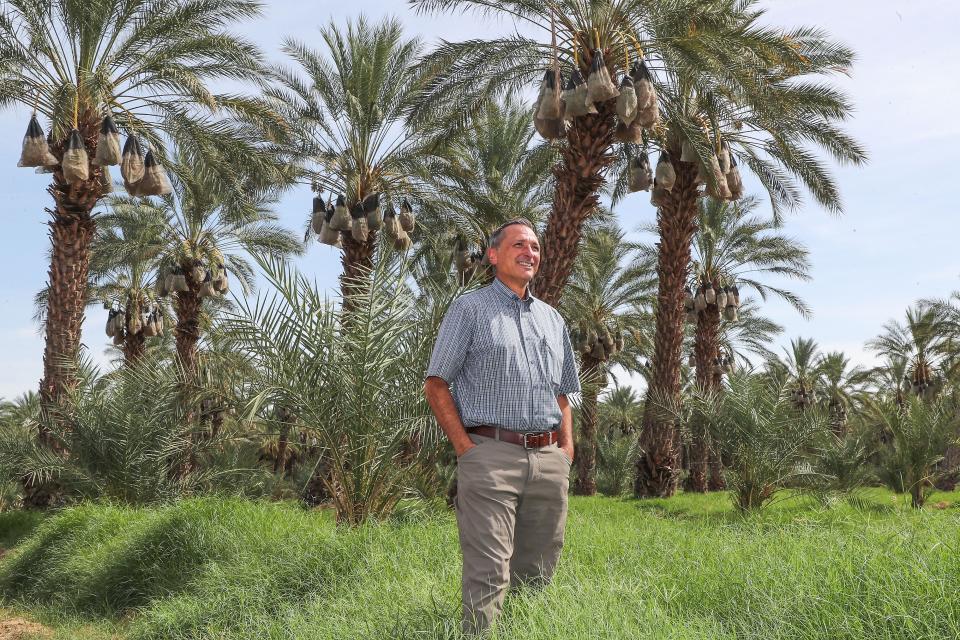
(586, 447)
(658, 467)
(717, 481)
(705, 351)
(134, 346)
(280, 462)
(71, 232)
(187, 305)
(357, 260)
(579, 176)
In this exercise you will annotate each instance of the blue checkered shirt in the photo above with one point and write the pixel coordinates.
(506, 359)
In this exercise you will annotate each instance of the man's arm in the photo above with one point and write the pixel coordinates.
(441, 402)
(565, 437)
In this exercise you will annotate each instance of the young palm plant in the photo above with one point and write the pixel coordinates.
(146, 65)
(922, 430)
(608, 304)
(764, 439)
(349, 105)
(354, 377)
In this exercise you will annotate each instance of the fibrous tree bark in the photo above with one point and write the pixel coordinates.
(72, 228)
(659, 465)
(579, 177)
(706, 351)
(594, 376)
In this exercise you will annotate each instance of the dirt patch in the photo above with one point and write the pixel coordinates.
(20, 629)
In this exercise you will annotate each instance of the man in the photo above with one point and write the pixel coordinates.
(508, 357)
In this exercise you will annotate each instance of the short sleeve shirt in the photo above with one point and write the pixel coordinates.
(506, 359)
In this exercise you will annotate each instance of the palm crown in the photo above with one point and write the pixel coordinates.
(350, 110)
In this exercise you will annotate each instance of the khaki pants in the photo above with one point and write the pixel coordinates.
(511, 512)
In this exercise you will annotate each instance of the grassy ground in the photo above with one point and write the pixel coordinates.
(687, 567)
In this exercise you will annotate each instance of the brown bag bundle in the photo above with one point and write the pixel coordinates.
(329, 235)
(155, 181)
(371, 207)
(406, 217)
(108, 144)
(627, 101)
(76, 163)
(358, 223)
(666, 174)
(341, 220)
(131, 162)
(36, 151)
(641, 176)
(600, 87)
(549, 106)
(575, 97)
(318, 216)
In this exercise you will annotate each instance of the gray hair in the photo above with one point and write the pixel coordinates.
(497, 234)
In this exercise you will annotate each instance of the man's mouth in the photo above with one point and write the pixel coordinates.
(525, 263)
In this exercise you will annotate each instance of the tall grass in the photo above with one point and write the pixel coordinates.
(688, 567)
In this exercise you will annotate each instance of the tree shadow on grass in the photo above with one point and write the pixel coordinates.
(658, 509)
(15, 526)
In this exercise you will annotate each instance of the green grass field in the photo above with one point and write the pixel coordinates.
(687, 567)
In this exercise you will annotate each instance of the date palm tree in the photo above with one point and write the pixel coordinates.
(489, 172)
(608, 305)
(349, 106)
(842, 386)
(147, 64)
(127, 250)
(799, 371)
(734, 247)
(621, 410)
(924, 342)
(208, 236)
(726, 83)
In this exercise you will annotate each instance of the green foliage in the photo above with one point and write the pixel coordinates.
(757, 430)
(234, 570)
(616, 458)
(920, 431)
(354, 376)
(718, 69)
(128, 441)
(842, 463)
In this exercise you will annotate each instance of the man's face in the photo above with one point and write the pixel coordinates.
(518, 256)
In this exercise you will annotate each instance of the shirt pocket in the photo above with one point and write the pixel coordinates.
(551, 362)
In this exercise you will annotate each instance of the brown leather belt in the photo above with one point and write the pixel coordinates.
(526, 439)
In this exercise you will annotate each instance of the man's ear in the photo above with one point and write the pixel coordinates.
(492, 255)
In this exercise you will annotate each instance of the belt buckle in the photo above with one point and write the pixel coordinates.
(532, 433)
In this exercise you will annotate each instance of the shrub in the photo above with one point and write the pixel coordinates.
(766, 441)
(920, 430)
(351, 373)
(128, 439)
(616, 458)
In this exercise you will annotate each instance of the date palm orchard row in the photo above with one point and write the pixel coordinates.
(724, 84)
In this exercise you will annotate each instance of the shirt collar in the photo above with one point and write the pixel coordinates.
(509, 294)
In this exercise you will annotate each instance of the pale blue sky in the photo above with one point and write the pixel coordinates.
(893, 244)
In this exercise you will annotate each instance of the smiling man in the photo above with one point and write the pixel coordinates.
(498, 382)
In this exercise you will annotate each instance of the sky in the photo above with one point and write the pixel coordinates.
(894, 243)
